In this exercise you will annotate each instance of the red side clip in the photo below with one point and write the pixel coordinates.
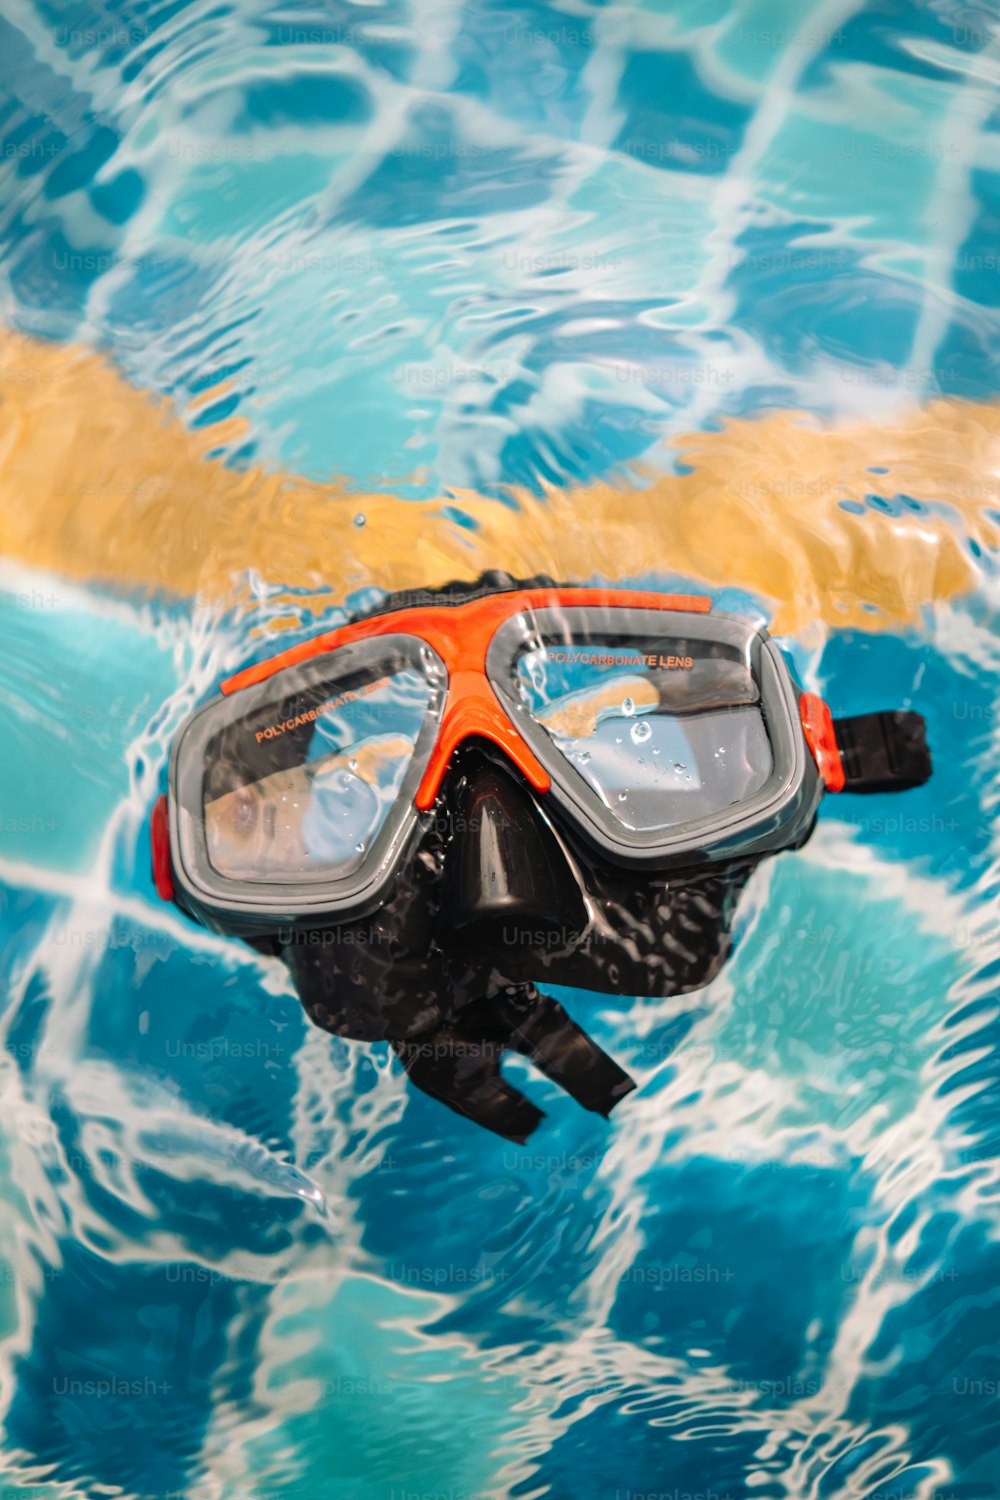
(159, 836)
(821, 737)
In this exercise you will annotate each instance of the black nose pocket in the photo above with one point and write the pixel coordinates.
(506, 880)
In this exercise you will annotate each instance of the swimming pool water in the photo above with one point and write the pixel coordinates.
(432, 251)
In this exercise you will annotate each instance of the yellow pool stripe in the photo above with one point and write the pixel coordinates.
(102, 483)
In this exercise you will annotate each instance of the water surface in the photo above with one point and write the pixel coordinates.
(307, 301)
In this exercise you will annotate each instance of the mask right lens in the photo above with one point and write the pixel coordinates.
(665, 730)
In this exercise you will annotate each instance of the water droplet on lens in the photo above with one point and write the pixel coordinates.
(360, 848)
(360, 519)
(678, 767)
(583, 757)
(628, 707)
(353, 763)
(641, 730)
(622, 795)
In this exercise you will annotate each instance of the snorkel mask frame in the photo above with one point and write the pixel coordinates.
(466, 652)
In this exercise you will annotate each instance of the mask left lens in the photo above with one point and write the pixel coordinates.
(301, 786)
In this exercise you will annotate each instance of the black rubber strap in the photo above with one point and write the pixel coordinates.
(461, 1068)
(543, 1031)
(459, 1063)
(884, 752)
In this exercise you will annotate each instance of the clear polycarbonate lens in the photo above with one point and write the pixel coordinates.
(304, 783)
(665, 731)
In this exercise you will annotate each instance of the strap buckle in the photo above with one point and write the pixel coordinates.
(883, 752)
